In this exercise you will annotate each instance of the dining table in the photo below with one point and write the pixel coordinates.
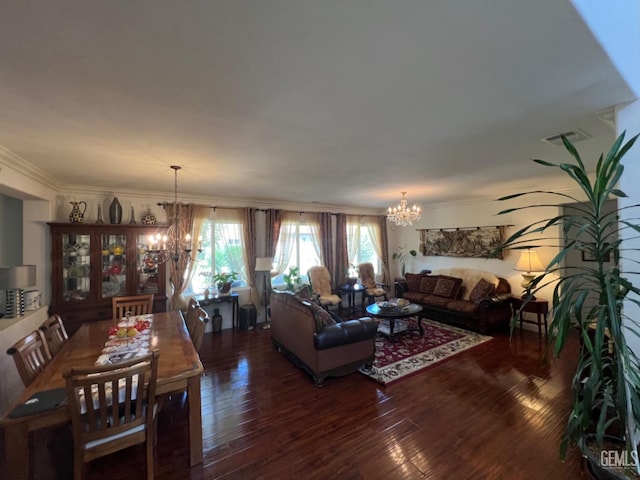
(179, 370)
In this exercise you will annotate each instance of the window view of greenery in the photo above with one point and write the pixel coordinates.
(303, 255)
(365, 251)
(221, 252)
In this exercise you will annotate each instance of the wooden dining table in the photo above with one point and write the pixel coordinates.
(179, 369)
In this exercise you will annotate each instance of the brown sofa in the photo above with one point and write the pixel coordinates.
(313, 340)
(472, 299)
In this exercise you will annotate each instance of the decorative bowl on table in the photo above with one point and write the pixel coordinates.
(402, 302)
(387, 306)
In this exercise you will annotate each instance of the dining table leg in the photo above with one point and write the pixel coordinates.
(195, 420)
(17, 451)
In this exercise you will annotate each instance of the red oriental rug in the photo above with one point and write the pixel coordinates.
(412, 353)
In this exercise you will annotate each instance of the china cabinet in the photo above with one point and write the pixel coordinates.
(92, 263)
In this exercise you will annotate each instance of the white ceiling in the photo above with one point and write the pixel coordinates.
(344, 102)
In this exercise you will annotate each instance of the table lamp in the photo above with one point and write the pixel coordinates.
(264, 264)
(14, 280)
(528, 262)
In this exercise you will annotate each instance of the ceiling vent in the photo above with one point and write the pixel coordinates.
(573, 136)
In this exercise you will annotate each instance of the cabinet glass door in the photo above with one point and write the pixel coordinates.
(114, 265)
(76, 267)
(147, 280)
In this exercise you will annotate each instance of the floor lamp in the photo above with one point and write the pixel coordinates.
(264, 264)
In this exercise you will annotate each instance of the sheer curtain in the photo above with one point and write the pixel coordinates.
(286, 241)
(230, 223)
(312, 220)
(372, 224)
(190, 218)
(353, 236)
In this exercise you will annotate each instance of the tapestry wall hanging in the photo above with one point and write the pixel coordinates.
(477, 242)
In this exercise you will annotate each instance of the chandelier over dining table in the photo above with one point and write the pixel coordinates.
(177, 243)
(402, 215)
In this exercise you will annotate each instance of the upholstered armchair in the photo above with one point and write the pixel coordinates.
(321, 286)
(373, 289)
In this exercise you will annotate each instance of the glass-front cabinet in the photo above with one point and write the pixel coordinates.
(92, 263)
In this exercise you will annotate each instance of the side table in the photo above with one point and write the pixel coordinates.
(350, 291)
(539, 306)
(232, 298)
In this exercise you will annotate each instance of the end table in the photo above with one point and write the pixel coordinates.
(539, 306)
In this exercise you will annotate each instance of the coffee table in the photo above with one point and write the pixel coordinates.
(389, 316)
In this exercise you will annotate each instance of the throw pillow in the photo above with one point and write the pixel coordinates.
(447, 287)
(481, 290)
(413, 281)
(321, 315)
(428, 284)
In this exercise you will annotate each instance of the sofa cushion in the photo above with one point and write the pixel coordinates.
(413, 281)
(428, 284)
(415, 297)
(463, 306)
(447, 287)
(482, 289)
(321, 316)
(435, 301)
(469, 278)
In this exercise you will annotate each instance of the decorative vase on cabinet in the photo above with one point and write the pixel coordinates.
(115, 211)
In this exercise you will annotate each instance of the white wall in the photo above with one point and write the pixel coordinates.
(473, 214)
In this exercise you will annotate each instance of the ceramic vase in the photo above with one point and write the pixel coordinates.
(216, 321)
(115, 211)
(99, 219)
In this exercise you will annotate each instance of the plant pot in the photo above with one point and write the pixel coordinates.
(224, 287)
(592, 462)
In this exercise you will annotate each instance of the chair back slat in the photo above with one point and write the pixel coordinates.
(197, 335)
(30, 354)
(136, 304)
(54, 333)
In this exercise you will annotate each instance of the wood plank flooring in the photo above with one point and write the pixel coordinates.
(492, 412)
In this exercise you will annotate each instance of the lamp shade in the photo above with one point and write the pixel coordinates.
(19, 276)
(264, 264)
(529, 262)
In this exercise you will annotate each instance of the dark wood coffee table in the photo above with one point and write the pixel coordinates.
(389, 317)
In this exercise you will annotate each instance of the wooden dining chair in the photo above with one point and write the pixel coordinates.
(136, 304)
(104, 422)
(197, 333)
(31, 354)
(54, 333)
(191, 315)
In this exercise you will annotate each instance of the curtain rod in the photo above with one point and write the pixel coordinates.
(459, 228)
(164, 205)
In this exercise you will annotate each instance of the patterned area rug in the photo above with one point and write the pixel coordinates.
(412, 353)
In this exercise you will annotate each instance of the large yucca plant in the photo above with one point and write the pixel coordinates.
(606, 382)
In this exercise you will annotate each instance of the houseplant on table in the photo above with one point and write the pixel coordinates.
(224, 280)
(606, 382)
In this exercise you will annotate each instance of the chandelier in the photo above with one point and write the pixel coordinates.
(402, 215)
(176, 244)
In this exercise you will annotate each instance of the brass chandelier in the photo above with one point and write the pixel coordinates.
(176, 244)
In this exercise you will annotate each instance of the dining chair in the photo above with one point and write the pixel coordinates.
(54, 333)
(199, 325)
(373, 289)
(104, 422)
(136, 304)
(191, 315)
(320, 280)
(31, 354)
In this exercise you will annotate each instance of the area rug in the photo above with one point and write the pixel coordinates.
(412, 353)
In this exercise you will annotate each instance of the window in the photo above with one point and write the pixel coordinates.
(222, 251)
(298, 246)
(361, 242)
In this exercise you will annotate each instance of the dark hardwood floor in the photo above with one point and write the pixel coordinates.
(489, 413)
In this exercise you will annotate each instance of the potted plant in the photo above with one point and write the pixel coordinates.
(402, 255)
(292, 279)
(224, 280)
(606, 381)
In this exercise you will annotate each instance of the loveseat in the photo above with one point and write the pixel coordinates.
(472, 299)
(317, 341)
